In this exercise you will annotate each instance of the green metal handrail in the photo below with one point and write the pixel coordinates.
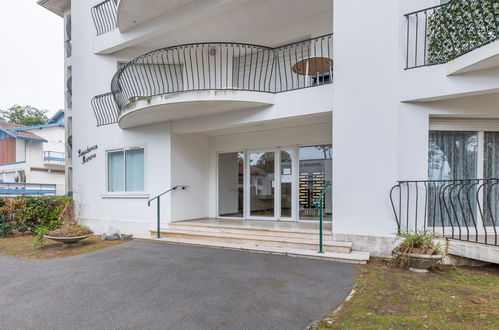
(319, 203)
(158, 205)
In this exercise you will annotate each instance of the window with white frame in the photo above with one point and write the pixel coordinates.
(125, 170)
(464, 149)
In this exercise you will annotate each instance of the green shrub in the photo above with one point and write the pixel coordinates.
(30, 215)
(422, 240)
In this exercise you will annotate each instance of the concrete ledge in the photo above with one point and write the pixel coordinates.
(378, 246)
(476, 251)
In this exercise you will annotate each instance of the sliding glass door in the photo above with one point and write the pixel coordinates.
(274, 184)
(491, 170)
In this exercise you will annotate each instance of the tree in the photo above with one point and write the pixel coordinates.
(24, 115)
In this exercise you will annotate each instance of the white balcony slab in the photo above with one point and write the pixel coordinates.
(169, 107)
(482, 58)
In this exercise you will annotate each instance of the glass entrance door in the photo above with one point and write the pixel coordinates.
(262, 189)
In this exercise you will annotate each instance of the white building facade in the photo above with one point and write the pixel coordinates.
(256, 105)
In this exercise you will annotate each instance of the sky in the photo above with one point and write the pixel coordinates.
(31, 56)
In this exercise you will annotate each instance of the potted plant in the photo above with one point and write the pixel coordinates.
(418, 250)
(70, 233)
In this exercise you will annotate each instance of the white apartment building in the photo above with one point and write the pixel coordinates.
(253, 106)
(32, 158)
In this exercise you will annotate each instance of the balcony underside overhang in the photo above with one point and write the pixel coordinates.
(170, 107)
(257, 22)
(58, 7)
(132, 13)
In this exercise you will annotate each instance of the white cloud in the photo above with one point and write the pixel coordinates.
(31, 56)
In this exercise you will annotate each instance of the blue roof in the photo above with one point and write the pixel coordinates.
(58, 117)
(56, 120)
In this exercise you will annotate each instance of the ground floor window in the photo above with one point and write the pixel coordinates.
(315, 170)
(125, 170)
(457, 155)
(274, 184)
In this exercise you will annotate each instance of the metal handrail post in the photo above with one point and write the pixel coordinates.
(320, 229)
(158, 217)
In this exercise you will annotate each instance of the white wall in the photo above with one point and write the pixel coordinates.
(377, 137)
(190, 166)
(54, 136)
(21, 150)
(91, 76)
(365, 110)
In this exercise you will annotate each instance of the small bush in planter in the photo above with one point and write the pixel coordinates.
(418, 251)
(419, 242)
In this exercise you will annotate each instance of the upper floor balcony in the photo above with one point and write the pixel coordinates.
(54, 158)
(206, 78)
(445, 32)
(452, 51)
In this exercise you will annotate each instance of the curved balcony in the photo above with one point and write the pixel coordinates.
(205, 78)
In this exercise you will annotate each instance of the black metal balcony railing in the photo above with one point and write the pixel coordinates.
(69, 85)
(217, 66)
(69, 99)
(68, 28)
(105, 109)
(68, 48)
(465, 210)
(442, 33)
(105, 16)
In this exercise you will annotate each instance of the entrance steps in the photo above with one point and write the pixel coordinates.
(266, 238)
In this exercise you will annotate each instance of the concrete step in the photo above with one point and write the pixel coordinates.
(355, 257)
(281, 241)
(254, 231)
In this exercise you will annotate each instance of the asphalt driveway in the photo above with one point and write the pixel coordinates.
(160, 286)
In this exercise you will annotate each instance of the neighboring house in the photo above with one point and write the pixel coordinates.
(255, 105)
(32, 158)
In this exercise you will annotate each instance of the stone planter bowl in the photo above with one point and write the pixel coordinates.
(66, 240)
(420, 262)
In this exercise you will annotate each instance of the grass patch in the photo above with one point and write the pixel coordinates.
(447, 298)
(22, 247)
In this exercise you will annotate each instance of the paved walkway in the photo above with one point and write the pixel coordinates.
(158, 286)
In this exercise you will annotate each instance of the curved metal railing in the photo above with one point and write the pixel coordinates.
(219, 66)
(105, 15)
(459, 209)
(442, 33)
(105, 109)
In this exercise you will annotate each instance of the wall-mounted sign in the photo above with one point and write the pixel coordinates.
(87, 154)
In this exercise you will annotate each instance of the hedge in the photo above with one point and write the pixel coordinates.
(460, 27)
(25, 215)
